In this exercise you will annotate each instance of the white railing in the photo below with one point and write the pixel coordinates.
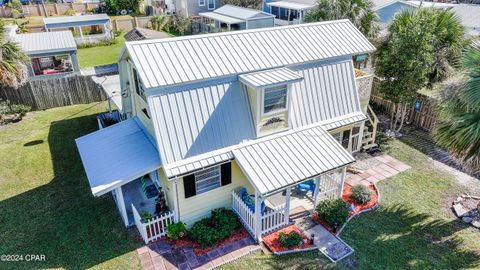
(274, 219)
(329, 187)
(154, 228)
(247, 217)
(356, 143)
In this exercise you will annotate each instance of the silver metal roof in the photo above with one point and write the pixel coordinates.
(241, 12)
(47, 42)
(470, 16)
(117, 155)
(291, 5)
(270, 77)
(283, 160)
(75, 19)
(195, 121)
(221, 18)
(327, 92)
(181, 60)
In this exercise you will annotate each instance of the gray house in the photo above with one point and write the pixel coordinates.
(237, 18)
(194, 7)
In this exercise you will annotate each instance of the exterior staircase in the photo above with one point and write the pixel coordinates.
(370, 131)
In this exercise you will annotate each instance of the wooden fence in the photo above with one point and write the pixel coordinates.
(60, 9)
(422, 114)
(55, 92)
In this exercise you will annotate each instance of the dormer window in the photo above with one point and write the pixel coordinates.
(275, 99)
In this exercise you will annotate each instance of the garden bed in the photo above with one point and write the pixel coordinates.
(199, 251)
(276, 247)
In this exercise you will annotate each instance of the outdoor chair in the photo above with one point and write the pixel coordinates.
(149, 191)
(249, 200)
(306, 186)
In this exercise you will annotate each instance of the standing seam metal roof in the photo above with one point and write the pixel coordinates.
(47, 42)
(270, 77)
(50, 21)
(288, 159)
(182, 60)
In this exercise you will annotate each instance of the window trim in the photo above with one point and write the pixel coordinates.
(208, 5)
(137, 82)
(276, 111)
(200, 3)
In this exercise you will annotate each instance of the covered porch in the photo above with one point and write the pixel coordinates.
(288, 13)
(290, 174)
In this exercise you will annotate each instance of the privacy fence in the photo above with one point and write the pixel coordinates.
(423, 114)
(54, 92)
(51, 9)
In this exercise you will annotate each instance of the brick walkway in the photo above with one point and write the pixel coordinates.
(376, 169)
(160, 255)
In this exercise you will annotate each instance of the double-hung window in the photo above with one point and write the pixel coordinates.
(201, 3)
(211, 4)
(275, 99)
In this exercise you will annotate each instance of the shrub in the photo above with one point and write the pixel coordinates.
(176, 230)
(145, 216)
(208, 231)
(290, 240)
(361, 194)
(333, 211)
(98, 43)
(20, 109)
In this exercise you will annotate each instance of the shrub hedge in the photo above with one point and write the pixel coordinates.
(220, 225)
(333, 211)
(361, 194)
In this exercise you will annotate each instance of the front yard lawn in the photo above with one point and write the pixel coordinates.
(100, 55)
(413, 228)
(46, 206)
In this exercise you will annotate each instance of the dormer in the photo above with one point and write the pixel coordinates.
(269, 92)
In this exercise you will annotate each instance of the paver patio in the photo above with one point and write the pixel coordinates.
(375, 169)
(162, 256)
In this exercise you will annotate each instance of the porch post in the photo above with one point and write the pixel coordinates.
(287, 205)
(121, 205)
(342, 181)
(317, 190)
(258, 216)
(176, 213)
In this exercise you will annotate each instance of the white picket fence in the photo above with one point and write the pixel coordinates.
(274, 219)
(329, 187)
(153, 228)
(247, 217)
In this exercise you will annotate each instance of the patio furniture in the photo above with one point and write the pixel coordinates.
(306, 186)
(149, 191)
(249, 200)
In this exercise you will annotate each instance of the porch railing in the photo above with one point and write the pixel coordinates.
(274, 219)
(154, 228)
(247, 217)
(329, 187)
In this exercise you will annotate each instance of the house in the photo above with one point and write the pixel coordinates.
(86, 28)
(193, 7)
(52, 54)
(237, 18)
(288, 12)
(210, 117)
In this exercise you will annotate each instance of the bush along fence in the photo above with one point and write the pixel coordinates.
(54, 92)
(422, 114)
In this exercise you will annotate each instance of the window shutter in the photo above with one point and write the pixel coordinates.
(226, 170)
(189, 185)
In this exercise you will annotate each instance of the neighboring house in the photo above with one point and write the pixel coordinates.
(85, 28)
(208, 115)
(194, 7)
(52, 54)
(288, 12)
(237, 18)
(470, 16)
(139, 33)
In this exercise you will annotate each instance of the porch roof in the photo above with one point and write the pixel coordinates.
(290, 5)
(271, 77)
(221, 18)
(287, 159)
(118, 154)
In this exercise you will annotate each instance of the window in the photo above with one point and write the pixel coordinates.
(201, 3)
(138, 84)
(275, 99)
(207, 179)
(211, 4)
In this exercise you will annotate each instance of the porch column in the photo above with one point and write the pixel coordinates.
(121, 205)
(287, 205)
(258, 216)
(342, 181)
(81, 32)
(288, 16)
(176, 213)
(317, 190)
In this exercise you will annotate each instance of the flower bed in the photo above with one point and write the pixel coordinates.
(276, 247)
(199, 251)
(359, 207)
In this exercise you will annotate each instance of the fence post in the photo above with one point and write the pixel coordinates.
(287, 205)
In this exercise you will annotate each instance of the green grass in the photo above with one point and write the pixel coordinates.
(46, 206)
(100, 55)
(413, 229)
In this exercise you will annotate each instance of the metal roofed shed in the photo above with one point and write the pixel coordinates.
(239, 18)
(117, 154)
(287, 159)
(270, 78)
(47, 42)
(139, 33)
(259, 50)
(90, 28)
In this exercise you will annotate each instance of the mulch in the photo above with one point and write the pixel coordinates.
(275, 246)
(198, 250)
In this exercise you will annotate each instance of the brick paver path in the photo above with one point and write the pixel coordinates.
(380, 168)
(161, 255)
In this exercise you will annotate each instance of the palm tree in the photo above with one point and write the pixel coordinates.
(459, 128)
(13, 69)
(359, 12)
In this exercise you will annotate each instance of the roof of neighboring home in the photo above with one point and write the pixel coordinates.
(176, 61)
(139, 33)
(377, 4)
(292, 4)
(430, 4)
(47, 42)
(64, 21)
(469, 14)
(241, 12)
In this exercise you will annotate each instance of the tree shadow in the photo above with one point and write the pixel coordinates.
(61, 219)
(398, 237)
